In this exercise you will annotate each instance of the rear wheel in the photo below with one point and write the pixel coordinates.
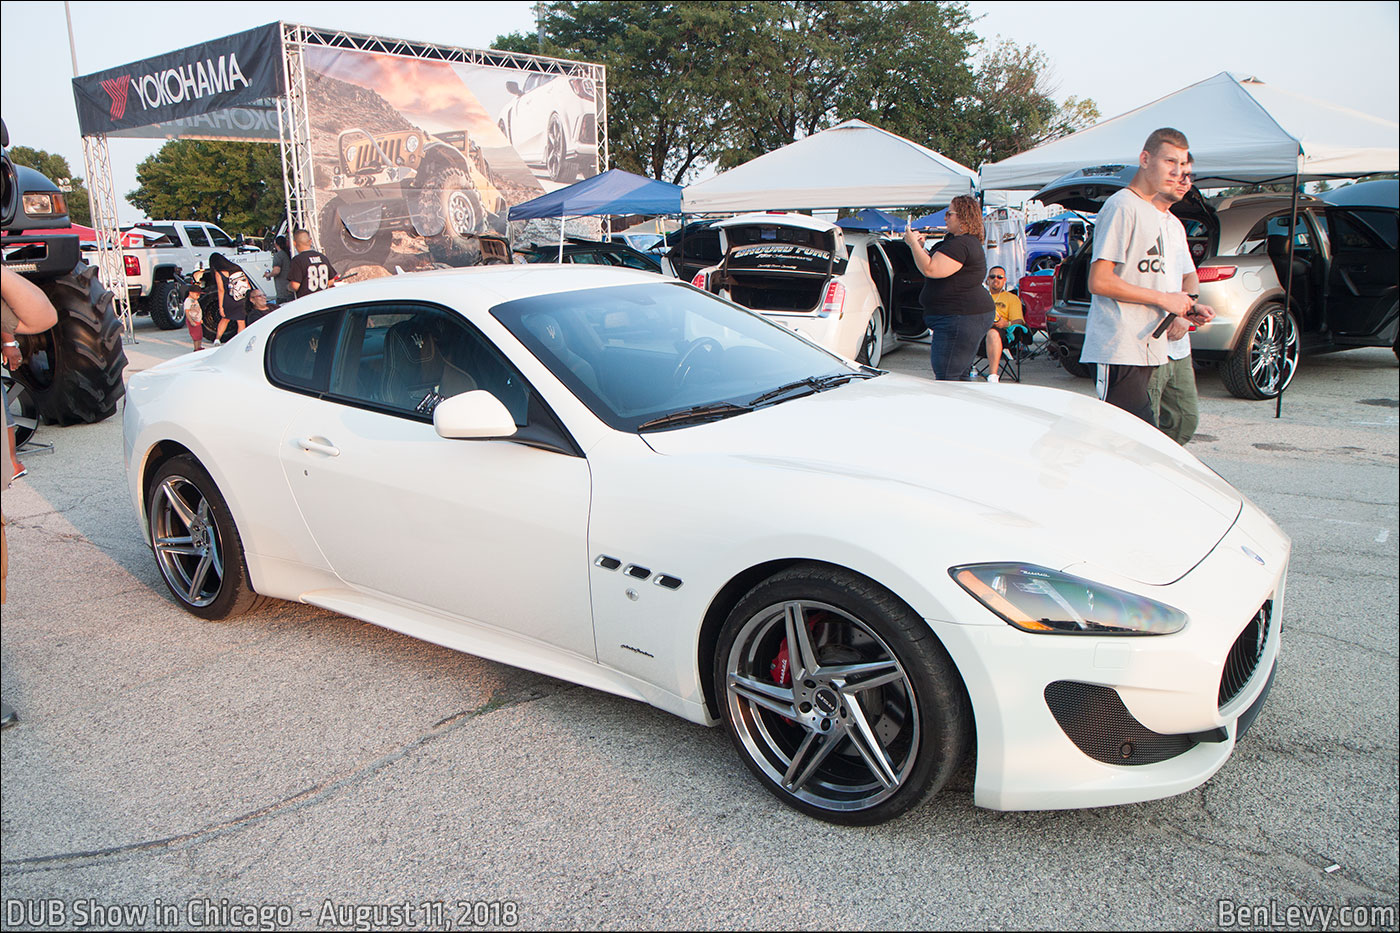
(1071, 364)
(555, 150)
(167, 309)
(872, 345)
(839, 697)
(74, 369)
(342, 246)
(197, 547)
(1041, 263)
(1266, 355)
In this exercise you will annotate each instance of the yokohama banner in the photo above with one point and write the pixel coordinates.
(235, 71)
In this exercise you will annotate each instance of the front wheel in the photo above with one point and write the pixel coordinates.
(1041, 263)
(839, 697)
(74, 369)
(349, 250)
(197, 546)
(1265, 356)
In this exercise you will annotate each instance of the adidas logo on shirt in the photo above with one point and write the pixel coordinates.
(1153, 262)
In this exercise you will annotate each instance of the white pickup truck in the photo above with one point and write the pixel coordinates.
(155, 250)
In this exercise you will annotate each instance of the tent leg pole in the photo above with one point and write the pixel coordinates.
(1282, 351)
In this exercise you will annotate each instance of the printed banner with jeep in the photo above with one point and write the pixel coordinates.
(416, 161)
(190, 89)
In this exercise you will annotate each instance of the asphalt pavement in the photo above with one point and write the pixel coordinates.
(299, 769)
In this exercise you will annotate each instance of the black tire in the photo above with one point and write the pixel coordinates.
(167, 305)
(1044, 262)
(872, 343)
(1071, 364)
(448, 194)
(74, 370)
(195, 543)
(349, 251)
(912, 720)
(1251, 371)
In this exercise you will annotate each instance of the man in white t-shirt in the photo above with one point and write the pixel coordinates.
(1130, 280)
(1172, 389)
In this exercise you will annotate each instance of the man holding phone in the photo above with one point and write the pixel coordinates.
(1132, 279)
(1172, 389)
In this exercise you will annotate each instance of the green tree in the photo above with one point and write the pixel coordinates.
(235, 185)
(55, 168)
(1014, 108)
(719, 83)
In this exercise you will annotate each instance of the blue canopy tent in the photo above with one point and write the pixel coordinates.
(938, 220)
(872, 220)
(610, 192)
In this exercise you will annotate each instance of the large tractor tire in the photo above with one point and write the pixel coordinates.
(74, 369)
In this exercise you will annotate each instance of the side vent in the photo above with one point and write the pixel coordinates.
(637, 573)
(668, 581)
(608, 563)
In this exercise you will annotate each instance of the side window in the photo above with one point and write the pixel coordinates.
(195, 234)
(632, 262)
(591, 259)
(219, 237)
(1363, 229)
(299, 353)
(407, 358)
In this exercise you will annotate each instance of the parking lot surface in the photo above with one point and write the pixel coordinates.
(298, 769)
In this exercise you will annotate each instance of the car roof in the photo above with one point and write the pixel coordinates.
(779, 220)
(479, 286)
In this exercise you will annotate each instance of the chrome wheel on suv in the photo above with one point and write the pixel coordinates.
(1266, 356)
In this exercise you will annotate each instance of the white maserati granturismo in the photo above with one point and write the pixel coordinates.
(627, 483)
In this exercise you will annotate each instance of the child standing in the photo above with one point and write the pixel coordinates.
(194, 317)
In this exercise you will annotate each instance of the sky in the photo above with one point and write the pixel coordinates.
(1122, 55)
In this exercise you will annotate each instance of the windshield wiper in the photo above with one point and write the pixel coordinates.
(695, 415)
(812, 384)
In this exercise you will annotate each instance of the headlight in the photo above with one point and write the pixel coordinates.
(411, 144)
(44, 203)
(1035, 599)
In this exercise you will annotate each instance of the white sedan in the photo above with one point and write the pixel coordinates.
(630, 484)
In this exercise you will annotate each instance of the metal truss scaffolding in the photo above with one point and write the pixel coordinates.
(97, 162)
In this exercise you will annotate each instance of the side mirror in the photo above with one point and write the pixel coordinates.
(477, 414)
(513, 87)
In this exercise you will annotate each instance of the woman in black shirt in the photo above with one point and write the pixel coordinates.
(957, 308)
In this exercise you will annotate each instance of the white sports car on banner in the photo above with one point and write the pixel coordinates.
(627, 483)
(553, 124)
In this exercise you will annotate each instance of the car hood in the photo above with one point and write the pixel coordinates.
(1086, 189)
(1047, 469)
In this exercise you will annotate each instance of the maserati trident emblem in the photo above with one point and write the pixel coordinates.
(1257, 559)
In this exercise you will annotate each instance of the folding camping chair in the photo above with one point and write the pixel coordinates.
(1016, 348)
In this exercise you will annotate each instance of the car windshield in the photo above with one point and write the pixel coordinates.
(650, 355)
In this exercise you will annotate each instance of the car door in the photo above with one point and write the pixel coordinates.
(1363, 275)
(489, 531)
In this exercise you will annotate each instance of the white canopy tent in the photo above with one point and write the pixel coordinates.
(852, 164)
(1242, 131)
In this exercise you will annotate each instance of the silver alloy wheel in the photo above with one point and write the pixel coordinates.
(554, 150)
(461, 214)
(1270, 370)
(186, 540)
(843, 732)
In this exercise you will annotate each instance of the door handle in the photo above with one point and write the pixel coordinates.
(315, 446)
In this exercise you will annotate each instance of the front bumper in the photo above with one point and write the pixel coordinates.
(1148, 715)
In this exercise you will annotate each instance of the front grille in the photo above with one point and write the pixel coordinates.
(1245, 654)
(1096, 721)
